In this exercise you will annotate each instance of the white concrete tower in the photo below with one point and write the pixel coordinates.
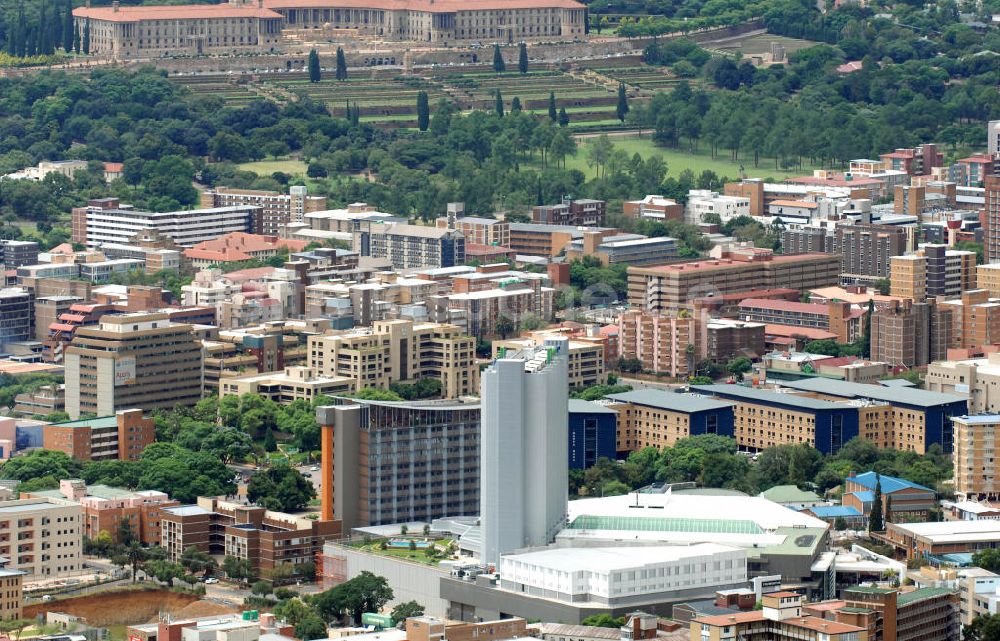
(524, 449)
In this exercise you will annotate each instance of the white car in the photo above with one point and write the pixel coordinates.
(211, 580)
(314, 468)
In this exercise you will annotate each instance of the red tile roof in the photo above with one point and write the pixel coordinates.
(174, 12)
(795, 203)
(114, 167)
(790, 331)
(239, 246)
(430, 6)
(786, 306)
(810, 623)
(729, 263)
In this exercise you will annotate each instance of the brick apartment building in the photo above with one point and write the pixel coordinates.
(837, 317)
(672, 287)
(121, 437)
(267, 539)
(934, 270)
(104, 509)
(275, 209)
(582, 213)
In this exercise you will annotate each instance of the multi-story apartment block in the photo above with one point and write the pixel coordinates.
(837, 317)
(292, 384)
(890, 615)
(585, 365)
(991, 218)
(918, 418)
(654, 418)
(975, 319)
(480, 231)
(547, 240)
(275, 211)
(910, 334)
(14, 253)
(105, 508)
(660, 342)
(107, 221)
(580, 213)
(121, 437)
(399, 351)
(386, 462)
(124, 33)
(976, 476)
(654, 207)
(132, 360)
(765, 418)
(11, 592)
(702, 202)
(723, 339)
(934, 270)
(672, 287)
(42, 537)
(918, 161)
(48, 309)
(867, 250)
(780, 619)
(482, 313)
(17, 315)
(630, 249)
(267, 539)
(411, 246)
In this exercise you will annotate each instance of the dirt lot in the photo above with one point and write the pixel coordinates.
(112, 608)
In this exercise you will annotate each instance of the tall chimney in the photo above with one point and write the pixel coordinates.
(115, 6)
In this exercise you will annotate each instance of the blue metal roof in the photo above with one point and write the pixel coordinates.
(889, 484)
(834, 511)
(865, 497)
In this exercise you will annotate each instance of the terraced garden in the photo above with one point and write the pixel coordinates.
(378, 95)
(650, 79)
(232, 93)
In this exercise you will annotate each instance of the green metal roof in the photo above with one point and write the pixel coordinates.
(671, 401)
(899, 395)
(798, 540)
(101, 421)
(907, 598)
(867, 589)
(788, 494)
(638, 523)
(856, 610)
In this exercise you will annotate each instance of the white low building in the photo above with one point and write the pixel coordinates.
(615, 575)
(704, 201)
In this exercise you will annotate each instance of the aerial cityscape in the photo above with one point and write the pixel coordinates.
(566, 320)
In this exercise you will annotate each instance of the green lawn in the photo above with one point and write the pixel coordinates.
(678, 159)
(268, 167)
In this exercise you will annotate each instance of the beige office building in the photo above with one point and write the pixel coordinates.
(662, 343)
(399, 351)
(124, 33)
(132, 360)
(975, 378)
(11, 593)
(585, 364)
(42, 537)
(293, 384)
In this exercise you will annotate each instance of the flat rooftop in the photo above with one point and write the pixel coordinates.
(844, 389)
(672, 401)
(614, 558)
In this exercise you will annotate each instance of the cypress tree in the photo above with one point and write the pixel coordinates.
(515, 105)
(522, 58)
(341, 64)
(76, 40)
(866, 337)
(499, 65)
(86, 37)
(499, 104)
(21, 32)
(57, 28)
(876, 522)
(46, 45)
(553, 114)
(315, 75)
(563, 117)
(423, 111)
(69, 28)
(31, 43)
(622, 109)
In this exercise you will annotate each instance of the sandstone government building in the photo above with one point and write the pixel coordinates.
(126, 32)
